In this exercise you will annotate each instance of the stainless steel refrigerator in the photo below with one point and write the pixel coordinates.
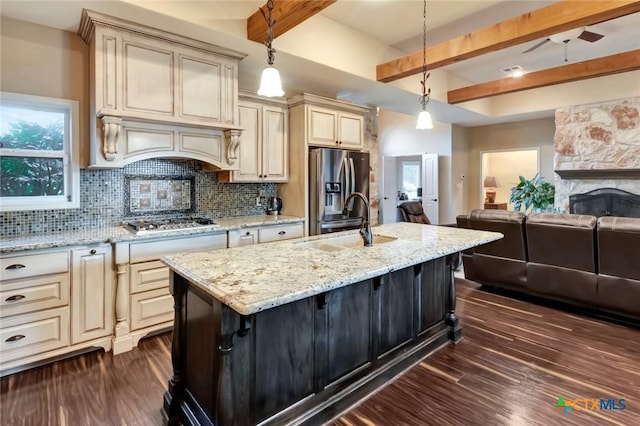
(334, 174)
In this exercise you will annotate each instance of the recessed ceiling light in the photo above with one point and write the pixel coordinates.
(513, 71)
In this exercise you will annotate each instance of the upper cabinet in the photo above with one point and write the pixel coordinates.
(263, 152)
(158, 94)
(329, 122)
(335, 128)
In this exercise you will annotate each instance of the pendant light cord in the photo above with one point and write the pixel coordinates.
(270, 23)
(424, 99)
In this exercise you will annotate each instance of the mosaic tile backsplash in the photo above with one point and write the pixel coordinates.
(102, 198)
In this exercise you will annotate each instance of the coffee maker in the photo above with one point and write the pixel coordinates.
(274, 206)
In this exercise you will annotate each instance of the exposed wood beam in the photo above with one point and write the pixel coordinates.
(614, 64)
(287, 15)
(553, 19)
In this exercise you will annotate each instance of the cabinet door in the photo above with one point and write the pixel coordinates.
(249, 155)
(396, 297)
(350, 130)
(275, 162)
(91, 293)
(322, 127)
(147, 71)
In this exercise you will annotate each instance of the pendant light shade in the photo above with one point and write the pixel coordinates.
(424, 118)
(270, 84)
(424, 121)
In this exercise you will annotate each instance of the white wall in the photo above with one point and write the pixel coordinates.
(460, 158)
(397, 135)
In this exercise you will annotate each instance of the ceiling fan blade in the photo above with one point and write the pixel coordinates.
(546, 40)
(590, 36)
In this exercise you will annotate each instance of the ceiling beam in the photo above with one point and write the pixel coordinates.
(540, 23)
(287, 15)
(614, 64)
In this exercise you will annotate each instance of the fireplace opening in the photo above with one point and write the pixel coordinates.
(606, 202)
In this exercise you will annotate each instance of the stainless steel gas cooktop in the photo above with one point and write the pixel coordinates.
(141, 227)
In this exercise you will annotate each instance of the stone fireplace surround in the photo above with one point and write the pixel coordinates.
(597, 146)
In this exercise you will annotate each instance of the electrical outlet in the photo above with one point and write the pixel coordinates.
(258, 203)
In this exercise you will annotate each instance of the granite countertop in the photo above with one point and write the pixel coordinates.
(253, 278)
(118, 234)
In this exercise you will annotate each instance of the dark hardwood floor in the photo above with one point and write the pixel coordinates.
(514, 362)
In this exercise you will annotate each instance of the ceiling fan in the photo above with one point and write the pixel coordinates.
(565, 37)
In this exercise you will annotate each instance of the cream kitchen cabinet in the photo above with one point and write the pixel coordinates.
(265, 234)
(335, 129)
(243, 237)
(92, 289)
(317, 121)
(54, 302)
(264, 144)
(144, 303)
(158, 94)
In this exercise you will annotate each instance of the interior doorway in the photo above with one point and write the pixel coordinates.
(409, 178)
(506, 166)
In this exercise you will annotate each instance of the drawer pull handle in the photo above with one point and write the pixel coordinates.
(14, 298)
(248, 233)
(15, 338)
(282, 232)
(15, 266)
(93, 251)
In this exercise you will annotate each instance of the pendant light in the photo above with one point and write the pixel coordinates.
(270, 84)
(424, 118)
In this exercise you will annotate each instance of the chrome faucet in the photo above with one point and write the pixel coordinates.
(365, 229)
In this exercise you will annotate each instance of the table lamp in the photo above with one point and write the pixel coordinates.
(490, 182)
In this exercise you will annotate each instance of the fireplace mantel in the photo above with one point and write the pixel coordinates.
(599, 174)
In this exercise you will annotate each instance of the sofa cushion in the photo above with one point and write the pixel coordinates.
(619, 247)
(564, 240)
(510, 224)
(619, 295)
(559, 283)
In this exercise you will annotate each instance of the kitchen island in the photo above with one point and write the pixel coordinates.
(296, 331)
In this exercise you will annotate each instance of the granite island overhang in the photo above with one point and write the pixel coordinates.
(296, 331)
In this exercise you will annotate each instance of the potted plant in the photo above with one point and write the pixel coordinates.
(535, 194)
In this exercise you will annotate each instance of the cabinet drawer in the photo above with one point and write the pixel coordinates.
(280, 232)
(31, 334)
(34, 294)
(151, 308)
(243, 237)
(149, 276)
(154, 250)
(30, 265)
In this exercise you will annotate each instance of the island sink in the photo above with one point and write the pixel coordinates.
(345, 241)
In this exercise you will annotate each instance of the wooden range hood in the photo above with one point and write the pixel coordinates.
(158, 94)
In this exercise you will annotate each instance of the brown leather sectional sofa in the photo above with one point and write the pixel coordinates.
(578, 259)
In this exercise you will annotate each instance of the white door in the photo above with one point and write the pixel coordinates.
(430, 199)
(389, 190)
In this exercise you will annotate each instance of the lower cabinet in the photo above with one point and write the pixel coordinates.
(92, 293)
(53, 303)
(143, 302)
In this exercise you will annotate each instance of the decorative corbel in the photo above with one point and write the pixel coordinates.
(111, 128)
(232, 138)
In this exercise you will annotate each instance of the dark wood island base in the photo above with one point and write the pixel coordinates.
(307, 361)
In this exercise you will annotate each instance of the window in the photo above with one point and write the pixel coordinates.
(38, 153)
(411, 178)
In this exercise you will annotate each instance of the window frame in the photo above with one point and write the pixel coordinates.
(71, 195)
